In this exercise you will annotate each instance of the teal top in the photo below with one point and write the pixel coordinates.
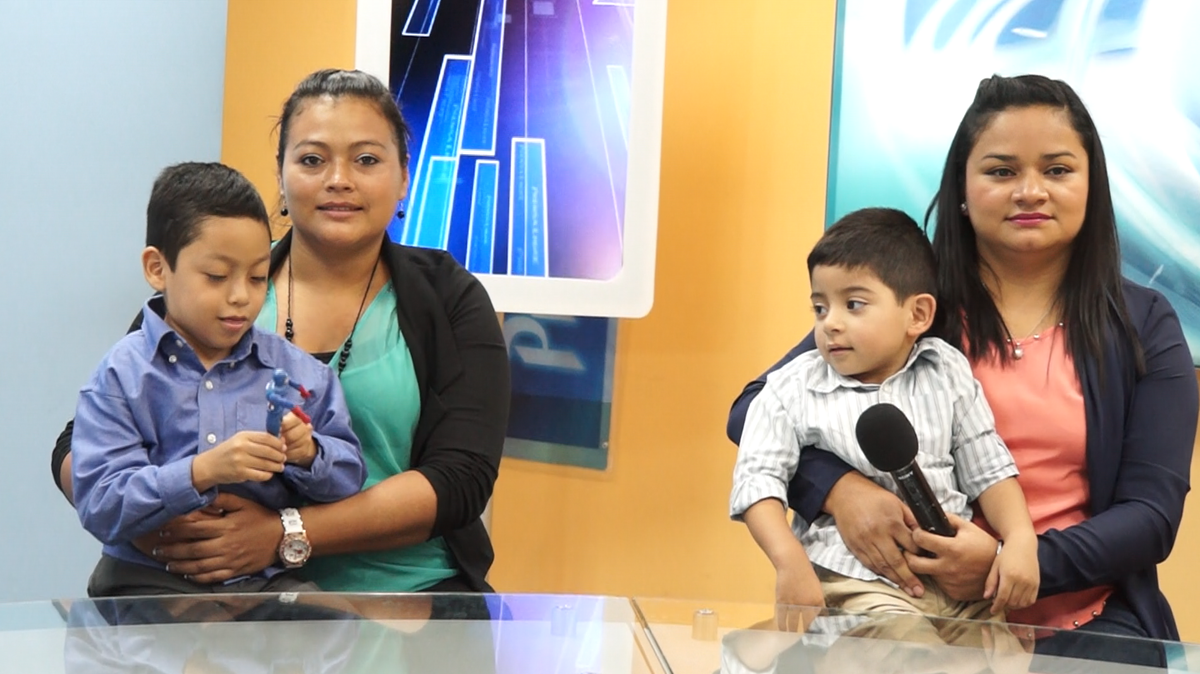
(380, 385)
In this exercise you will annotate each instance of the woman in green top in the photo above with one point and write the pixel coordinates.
(419, 350)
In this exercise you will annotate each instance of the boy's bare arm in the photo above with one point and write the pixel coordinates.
(767, 521)
(1014, 579)
(796, 584)
(1003, 505)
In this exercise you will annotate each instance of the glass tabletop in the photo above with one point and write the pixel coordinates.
(554, 634)
(327, 633)
(704, 637)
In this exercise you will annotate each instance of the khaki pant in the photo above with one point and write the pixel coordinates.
(933, 633)
(933, 618)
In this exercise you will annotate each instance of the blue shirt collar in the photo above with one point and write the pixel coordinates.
(162, 337)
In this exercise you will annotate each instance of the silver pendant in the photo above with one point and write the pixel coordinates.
(1018, 352)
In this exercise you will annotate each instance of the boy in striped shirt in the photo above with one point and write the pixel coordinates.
(873, 292)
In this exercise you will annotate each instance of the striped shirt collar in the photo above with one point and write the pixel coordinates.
(825, 379)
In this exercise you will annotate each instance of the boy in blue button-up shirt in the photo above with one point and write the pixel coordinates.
(178, 408)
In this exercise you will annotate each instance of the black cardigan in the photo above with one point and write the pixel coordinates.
(462, 369)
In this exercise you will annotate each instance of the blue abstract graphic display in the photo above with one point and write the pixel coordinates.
(905, 70)
(520, 116)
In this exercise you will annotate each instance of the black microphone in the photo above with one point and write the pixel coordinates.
(888, 440)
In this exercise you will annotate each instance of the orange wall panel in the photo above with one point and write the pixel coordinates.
(745, 139)
(270, 45)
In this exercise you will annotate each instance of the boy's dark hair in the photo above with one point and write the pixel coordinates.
(185, 194)
(885, 241)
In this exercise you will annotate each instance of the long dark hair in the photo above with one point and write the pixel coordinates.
(1090, 297)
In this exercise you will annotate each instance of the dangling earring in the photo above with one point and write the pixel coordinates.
(963, 208)
(283, 211)
(399, 213)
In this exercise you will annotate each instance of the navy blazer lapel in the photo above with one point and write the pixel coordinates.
(1105, 433)
(1106, 405)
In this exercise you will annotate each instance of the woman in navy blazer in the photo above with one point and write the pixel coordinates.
(1130, 356)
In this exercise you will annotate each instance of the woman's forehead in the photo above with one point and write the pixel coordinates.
(1029, 130)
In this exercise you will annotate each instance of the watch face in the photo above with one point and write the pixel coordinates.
(294, 550)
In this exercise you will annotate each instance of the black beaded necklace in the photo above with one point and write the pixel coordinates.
(289, 331)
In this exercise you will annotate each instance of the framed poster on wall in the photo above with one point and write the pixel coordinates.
(536, 140)
(906, 70)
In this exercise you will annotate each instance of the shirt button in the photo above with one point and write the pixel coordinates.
(212, 437)
(179, 343)
(171, 359)
(208, 385)
(1076, 623)
(232, 365)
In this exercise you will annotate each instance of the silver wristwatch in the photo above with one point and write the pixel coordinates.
(294, 549)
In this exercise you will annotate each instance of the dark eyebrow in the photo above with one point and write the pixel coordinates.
(1048, 156)
(325, 146)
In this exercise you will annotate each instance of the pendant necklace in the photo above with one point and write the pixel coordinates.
(289, 331)
(1018, 345)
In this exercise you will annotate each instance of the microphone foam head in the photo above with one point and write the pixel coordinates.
(886, 437)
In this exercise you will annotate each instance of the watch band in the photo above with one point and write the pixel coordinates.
(292, 524)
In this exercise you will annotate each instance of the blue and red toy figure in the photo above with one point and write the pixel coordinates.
(280, 404)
